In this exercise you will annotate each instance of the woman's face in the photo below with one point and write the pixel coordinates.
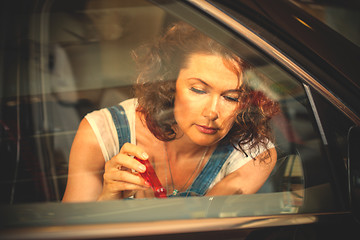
(206, 99)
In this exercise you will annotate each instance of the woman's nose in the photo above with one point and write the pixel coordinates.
(210, 110)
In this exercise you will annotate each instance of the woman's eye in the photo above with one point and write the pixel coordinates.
(196, 90)
(232, 99)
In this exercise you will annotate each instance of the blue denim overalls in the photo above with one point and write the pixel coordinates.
(206, 176)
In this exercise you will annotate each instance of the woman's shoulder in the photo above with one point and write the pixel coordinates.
(102, 124)
(238, 158)
(129, 104)
(103, 115)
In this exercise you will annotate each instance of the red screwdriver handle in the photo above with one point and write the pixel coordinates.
(150, 176)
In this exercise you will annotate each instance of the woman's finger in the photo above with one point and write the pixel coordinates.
(134, 150)
(112, 189)
(125, 176)
(119, 173)
(125, 186)
(123, 160)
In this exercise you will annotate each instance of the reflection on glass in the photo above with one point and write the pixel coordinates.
(210, 122)
(193, 117)
(343, 17)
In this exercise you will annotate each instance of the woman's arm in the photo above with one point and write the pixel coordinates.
(91, 179)
(86, 167)
(249, 178)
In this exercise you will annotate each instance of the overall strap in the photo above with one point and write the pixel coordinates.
(211, 170)
(121, 124)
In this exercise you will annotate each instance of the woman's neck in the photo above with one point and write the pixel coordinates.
(182, 149)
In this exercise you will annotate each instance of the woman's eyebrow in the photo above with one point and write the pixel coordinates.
(200, 80)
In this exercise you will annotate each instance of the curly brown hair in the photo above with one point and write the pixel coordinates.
(159, 64)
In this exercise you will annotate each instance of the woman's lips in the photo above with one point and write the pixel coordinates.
(207, 130)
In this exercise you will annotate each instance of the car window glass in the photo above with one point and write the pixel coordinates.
(78, 59)
(343, 17)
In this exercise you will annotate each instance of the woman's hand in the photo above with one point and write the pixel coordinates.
(121, 178)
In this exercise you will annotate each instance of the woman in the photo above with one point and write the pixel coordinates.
(204, 131)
